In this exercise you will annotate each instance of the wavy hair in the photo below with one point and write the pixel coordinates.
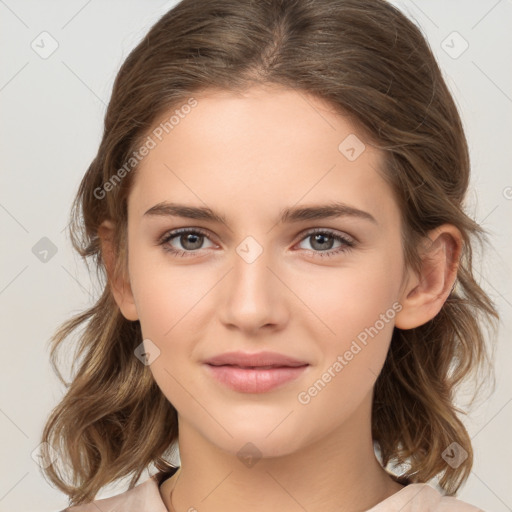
(370, 62)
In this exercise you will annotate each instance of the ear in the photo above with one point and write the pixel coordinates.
(423, 295)
(119, 283)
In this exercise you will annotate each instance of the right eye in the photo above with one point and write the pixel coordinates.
(192, 238)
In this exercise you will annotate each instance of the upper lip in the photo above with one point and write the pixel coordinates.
(255, 359)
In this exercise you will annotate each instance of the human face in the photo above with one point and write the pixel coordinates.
(247, 158)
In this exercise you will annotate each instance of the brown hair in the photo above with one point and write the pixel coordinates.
(367, 60)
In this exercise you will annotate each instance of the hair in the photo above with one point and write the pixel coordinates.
(369, 62)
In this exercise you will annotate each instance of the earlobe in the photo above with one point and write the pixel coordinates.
(119, 284)
(426, 292)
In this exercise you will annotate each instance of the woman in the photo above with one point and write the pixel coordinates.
(276, 206)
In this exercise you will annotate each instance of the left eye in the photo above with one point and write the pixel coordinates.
(319, 236)
(192, 240)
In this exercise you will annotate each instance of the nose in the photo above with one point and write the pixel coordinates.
(254, 296)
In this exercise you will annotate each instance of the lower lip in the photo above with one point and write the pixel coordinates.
(248, 380)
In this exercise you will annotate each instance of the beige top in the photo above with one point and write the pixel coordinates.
(145, 497)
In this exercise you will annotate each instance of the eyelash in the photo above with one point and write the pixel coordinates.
(167, 237)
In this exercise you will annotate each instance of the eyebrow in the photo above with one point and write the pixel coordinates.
(287, 215)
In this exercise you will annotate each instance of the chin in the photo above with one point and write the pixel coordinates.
(250, 450)
(260, 441)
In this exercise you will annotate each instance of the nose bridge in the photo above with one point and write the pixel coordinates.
(251, 276)
(253, 294)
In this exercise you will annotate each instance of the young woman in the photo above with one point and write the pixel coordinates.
(277, 209)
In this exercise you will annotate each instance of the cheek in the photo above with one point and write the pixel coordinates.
(361, 316)
(347, 300)
(175, 311)
(163, 293)
(357, 307)
(168, 303)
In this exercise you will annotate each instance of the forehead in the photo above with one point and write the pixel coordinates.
(261, 150)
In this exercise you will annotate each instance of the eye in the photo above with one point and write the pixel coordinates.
(320, 240)
(192, 240)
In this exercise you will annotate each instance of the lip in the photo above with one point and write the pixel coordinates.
(255, 359)
(254, 380)
(254, 373)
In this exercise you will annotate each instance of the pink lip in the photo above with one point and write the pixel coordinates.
(248, 372)
(264, 358)
(254, 380)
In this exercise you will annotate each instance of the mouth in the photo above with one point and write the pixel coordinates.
(254, 379)
(263, 359)
(268, 367)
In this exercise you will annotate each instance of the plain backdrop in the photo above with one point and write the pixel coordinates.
(51, 124)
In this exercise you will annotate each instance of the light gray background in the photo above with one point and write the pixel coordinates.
(51, 124)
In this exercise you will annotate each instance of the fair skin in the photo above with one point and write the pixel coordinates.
(247, 157)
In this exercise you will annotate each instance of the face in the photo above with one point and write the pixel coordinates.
(323, 290)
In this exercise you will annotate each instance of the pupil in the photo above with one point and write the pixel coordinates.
(322, 239)
(191, 238)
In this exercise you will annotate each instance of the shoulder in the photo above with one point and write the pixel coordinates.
(141, 498)
(450, 504)
(424, 497)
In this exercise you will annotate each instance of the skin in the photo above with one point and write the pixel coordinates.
(247, 157)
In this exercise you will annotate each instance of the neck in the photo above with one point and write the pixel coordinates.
(338, 472)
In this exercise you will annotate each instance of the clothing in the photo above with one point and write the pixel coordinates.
(145, 497)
